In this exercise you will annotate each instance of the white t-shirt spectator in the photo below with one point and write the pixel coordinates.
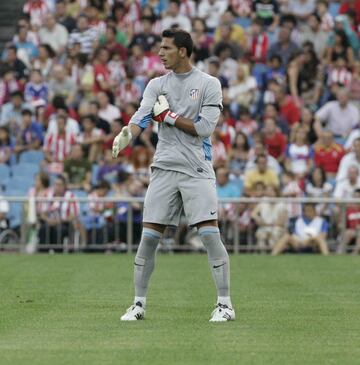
(211, 12)
(182, 21)
(348, 160)
(72, 126)
(57, 38)
(110, 113)
(344, 189)
(339, 120)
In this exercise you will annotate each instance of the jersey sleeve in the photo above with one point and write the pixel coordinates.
(144, 114)
(210, 109)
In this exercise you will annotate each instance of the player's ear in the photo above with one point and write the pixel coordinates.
(182, 52)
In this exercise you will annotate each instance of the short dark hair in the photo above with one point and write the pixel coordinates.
(26, 112)
(182, 39)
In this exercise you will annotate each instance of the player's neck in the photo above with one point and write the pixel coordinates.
(183, 68)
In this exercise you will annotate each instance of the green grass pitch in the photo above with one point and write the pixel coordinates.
(64, 309)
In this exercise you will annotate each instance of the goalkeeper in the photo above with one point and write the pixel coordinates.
(186, 103)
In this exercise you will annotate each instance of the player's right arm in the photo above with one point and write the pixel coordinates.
(140, 120)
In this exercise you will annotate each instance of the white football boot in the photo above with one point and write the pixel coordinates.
(134, 313)
(222, 313)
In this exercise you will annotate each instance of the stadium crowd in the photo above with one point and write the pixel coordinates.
(75, 70)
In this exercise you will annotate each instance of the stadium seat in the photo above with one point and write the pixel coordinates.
(25, 170)
(19, 183)
(16, 209)
(4, 175)
(31, 157)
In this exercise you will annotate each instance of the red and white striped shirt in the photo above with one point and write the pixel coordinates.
(259, 48)
(41, 207)
(59, 145)
(37, 10)
(65, 210)
(95, 206)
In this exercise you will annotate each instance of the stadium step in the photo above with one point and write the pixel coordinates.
(10, 12)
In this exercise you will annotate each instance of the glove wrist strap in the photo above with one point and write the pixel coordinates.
(170, 118)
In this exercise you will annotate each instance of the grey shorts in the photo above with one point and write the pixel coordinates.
(170, 191)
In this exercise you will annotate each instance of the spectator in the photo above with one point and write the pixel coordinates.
(242, 91)
(109, 169)
(19, 68)
(258, 43)
(284, 47)
(302, 9)
(328, 154)
(36, 10)
(246, 124)
(91, 138)
(274, 140)
(314, 34)
(101, 71)
(271, 220)
(225, 187)
(310, 231)
(45, 60)
(141, 159)
(11, 111)
(59, 218)
(211, 11)
(8, 85)
(146, 38)
(202, 41)
(25, 48)
(299, 155)
(173, 18)
(327, 21)
(36, 90)
(30, 136)
(268, 12)
(61, 84)
(57, 146)
(238, 155)
(335, 111)
(72, 126)
(262, 173)
(54, 34)
(318, 187)
(83, 35)
(107, 111)
(6, 146)
(352, 226)
(100, 123)
(40, 190)
(345, 188)
(258, 150)
(62, 17)
(98, 213)
(109, 41)
(77, 169)
(288, 107)
(340, 47)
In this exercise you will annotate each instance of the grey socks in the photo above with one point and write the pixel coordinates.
(218, 259)
(145, 260)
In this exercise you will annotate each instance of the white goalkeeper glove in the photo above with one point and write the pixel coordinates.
(162, 113)
(121, 141)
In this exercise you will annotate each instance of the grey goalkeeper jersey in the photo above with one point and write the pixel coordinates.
(195, 95)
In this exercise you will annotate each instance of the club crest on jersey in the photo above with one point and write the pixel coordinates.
(194, 93)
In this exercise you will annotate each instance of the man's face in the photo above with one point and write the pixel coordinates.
(82, 23)
(313, 23)
(76, 153)
(169, 53)
(26, 120)
(16, 101)
(309, 211)
(59, 187)
(262, 164)
(222, 177)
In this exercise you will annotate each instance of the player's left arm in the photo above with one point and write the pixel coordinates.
(208, 117)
